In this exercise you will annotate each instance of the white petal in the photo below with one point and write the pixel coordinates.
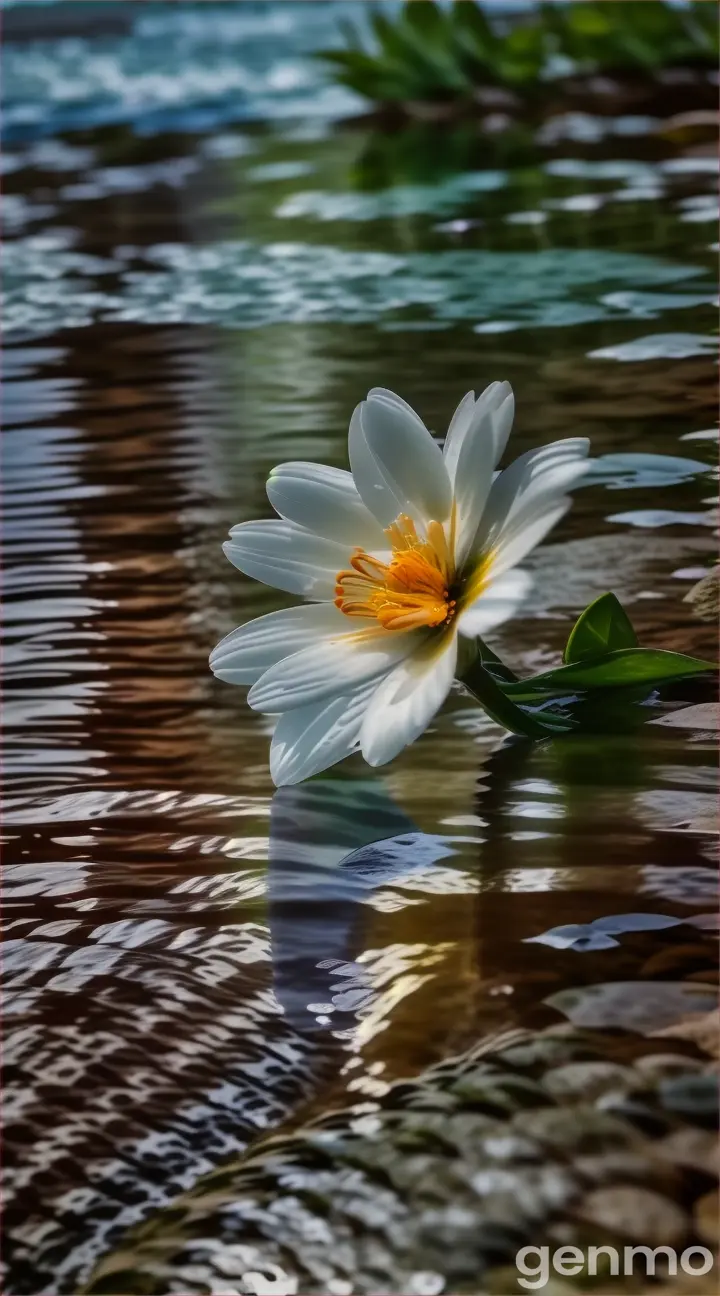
(312, 738)
(332, 666)
(503, 416)
(246, 653)
(519, 541)
(500, 601)
(545, 486)
(459, 424)
(374, 490)
(473, 479)
(470, 411)
(287, 556)
(533, 483)
(397, 466)
(383, 393)
(405, 702)
(326, 501)
(546, 490)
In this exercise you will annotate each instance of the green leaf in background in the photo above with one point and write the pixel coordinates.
(474, 39)
(701, 25)
(426, 33)
(369, 75)
(429, 51)
(625, 666)
(522, 55)
(603, 627)
(429, 26)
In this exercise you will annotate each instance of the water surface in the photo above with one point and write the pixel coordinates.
(203, 276)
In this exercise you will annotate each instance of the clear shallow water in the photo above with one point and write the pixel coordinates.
(192, 957)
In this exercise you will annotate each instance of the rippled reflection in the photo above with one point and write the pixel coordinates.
(192, 959)
(317, 882)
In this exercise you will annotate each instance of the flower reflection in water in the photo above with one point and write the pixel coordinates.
(332, 844)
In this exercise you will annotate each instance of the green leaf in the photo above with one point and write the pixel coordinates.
(371, 74)
(603, 627)
(506, 712)
(701, 22)
(610, 710)
(523, 54)
(651, 666)
(420, 61)
(427, 19)
(494, 664)
(438, 52)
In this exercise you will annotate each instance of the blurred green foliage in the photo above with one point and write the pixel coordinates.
(427, 52)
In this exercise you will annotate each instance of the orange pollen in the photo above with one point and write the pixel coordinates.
(410, 591)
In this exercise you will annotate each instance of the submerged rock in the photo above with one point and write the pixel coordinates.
(639, 1214)
(447, 1177)
(705, 596)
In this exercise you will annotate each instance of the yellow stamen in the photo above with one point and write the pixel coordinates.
(410, 591)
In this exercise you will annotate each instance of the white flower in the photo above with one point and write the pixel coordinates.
(395, 558)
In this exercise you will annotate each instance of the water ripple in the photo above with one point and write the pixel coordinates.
(180, 68)
(238, 284)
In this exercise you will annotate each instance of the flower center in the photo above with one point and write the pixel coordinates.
(411, 590)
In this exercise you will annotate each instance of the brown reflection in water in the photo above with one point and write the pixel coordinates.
(142, 1041)
(570, 841)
